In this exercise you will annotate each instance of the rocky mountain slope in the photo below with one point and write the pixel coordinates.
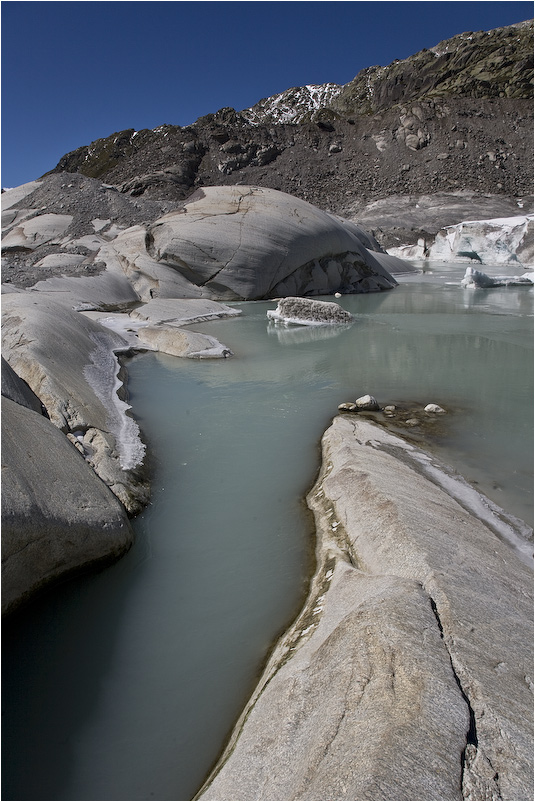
(457, 117)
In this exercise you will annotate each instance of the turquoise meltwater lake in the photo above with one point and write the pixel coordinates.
(124, 685)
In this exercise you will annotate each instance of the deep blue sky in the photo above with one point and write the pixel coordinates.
(76, 71)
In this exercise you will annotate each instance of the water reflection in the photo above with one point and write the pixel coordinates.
(294, 335)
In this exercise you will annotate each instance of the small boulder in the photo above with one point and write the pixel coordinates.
(434, 409)
(347, 406)
(367, 402)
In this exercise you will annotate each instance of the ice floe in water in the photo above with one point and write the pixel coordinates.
(308, 312)
(476, 279)
(102, 376)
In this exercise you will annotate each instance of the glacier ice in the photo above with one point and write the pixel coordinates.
(503, 240)
(476, 279)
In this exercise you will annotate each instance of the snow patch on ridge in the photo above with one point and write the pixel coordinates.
(292, 105)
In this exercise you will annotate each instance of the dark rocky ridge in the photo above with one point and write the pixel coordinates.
(456, 117)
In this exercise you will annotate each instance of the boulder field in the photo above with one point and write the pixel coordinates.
(408, 674)
(90, 274)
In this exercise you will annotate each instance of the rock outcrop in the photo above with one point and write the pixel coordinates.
(253, 243)
(221, 243)
(457, 116)
(68, 361)
(14, 388)
(58, 517)
(408, 674)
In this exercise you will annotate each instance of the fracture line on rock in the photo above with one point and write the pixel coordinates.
(471, 735)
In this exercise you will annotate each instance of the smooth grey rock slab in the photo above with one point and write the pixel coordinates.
(149, 277)
(13, 197)
(108, 290)
(366, 708)
(40, 230)
(17, 390)
(408, 674)
(158, 325)
(68, 362)
(57, 515)
(182, 342)
(251, 242)
(395, 521)
(182, 311)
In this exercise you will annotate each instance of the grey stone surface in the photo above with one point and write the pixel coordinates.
(42, 229)
(159, 325)
(182, 312)
(408, 674)
(182, 342)
(67, 360)
(57, 515)
(367, 402)
(102, 249)
(17, 390)
(109, 290)
(251, 243)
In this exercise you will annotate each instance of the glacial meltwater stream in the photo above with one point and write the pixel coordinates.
(123, 685)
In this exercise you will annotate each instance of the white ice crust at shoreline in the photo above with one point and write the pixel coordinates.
(102, 376)
(506, 526)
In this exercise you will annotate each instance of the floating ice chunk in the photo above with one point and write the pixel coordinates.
(307, 312)
(475, 279)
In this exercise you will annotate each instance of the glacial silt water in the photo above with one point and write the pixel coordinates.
(124, 685)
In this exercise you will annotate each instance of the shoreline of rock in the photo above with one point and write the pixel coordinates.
(345, 708)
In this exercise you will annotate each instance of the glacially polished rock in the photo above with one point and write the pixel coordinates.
(68, 361)
(408, 673)
(57, 515)
(245, 242)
